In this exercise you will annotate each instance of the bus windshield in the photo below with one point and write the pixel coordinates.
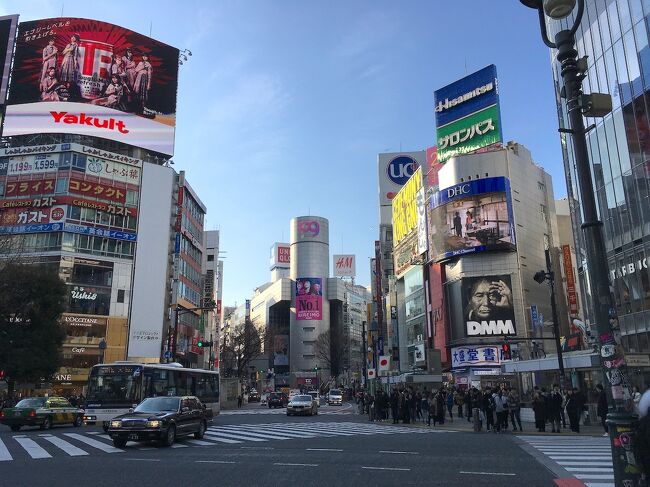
(115, 385)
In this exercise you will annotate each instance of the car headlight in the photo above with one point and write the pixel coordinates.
(154, 424)
(116, 424)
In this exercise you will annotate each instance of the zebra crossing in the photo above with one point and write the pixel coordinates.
(588, 459)
(266, 411)
(65, 444)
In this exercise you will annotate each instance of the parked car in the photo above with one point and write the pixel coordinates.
(302, 404)
(277, 400)
(43, 412)
(253, 396)
(161, 419)
(335, 397)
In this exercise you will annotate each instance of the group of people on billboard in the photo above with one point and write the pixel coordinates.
(125, 87)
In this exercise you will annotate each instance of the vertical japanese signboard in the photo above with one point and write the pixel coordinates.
(467, 114)
(572, 296)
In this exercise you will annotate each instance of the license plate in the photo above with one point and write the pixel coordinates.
(133, 437)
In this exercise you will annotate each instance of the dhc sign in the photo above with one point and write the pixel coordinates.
(401, 169)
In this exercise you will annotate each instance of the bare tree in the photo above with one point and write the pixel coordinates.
(331, 349)
(239, 348)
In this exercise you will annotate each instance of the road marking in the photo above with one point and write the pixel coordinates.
(32, 448)
(200, 443)
(588, 469)
(239, 436)
(324, 449)
(594, 477)
(213, 461)
(400, 452)
(178, 445)
(268, 436)
(94, 433)
(296, 464)
(220, 440)
(94, 443)
(69, 448)
(142, 459)
(4, 453)
(257, 447)
(388, 468)
(488, 473)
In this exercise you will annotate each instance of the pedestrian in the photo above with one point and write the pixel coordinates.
(488, 410)
(450, 405)
(573, 410)
(468, 406)
(440, 405)
(636, 399)
(642, 436)
(412, 405)
(424, 404)
(555, 409)
(240, 399)
(562, 409)
(394, 406)
(498, 401)
(514, 405)
(431, 415)
(418, 407)
(602, 407)
(539, 408)
(506, 408)
(404, 407)
(459, 400)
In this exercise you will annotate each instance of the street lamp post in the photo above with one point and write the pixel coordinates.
(620, 421)
(549, 276)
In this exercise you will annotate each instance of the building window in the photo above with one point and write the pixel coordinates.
(61, 185)
(542, 209)
(120, 295)
(541, 186)
(210, 258)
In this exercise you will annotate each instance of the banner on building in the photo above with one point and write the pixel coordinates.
(473, 217)
(488, 306)
(467, 114)
(383, 364)
(405, 214)
(92, 78)
(8, 27)
(309, 298)
(280, 350)
(572, 295)
(475, 356)
(344, 265)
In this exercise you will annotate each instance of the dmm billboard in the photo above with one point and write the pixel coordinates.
(89, 77)
(467, 114)
(488, 306)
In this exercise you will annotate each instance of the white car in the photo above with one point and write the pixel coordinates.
(334, 396)
(302, 404)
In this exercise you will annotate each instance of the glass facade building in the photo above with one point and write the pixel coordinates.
(614, 36)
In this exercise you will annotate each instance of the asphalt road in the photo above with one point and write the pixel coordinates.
(258, 447)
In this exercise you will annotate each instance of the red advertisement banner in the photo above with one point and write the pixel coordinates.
(97, 190)
(27, 216)
(309, 298)
(26, 188)
(572, 296)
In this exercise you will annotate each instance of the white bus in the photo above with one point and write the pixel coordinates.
(115, 388)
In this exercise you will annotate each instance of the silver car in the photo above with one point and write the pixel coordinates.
(302, 404)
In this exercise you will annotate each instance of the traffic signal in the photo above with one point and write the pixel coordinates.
(506, 352)
(540, 277)
(2, 374)
(204, 344)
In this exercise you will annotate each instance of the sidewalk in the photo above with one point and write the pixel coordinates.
(529, 428)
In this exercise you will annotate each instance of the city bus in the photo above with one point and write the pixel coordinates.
(114, 389)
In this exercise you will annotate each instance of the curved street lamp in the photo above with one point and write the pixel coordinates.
(593, 105)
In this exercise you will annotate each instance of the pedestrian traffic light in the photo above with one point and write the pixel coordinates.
(506, 352)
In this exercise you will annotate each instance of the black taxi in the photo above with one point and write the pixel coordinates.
(41, 411)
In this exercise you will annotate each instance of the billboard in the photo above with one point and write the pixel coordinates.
(280, 350)
(405, 214)
(488, 306)
(280, 255)
(472, 356)
(344, 265)
(472, 217)
(572, 296)
(92, 78)
(309, 298)
(394, 170)
(8, 26)
(467, 114)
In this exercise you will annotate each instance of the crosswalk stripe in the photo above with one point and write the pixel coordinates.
(221, 440)
(4, 453)
(179, 445)
(294, 434)
(94, 443)
(32, 448)
(589, 469)
(585, 463)
(259, 434)
(594, 477)
(581, 457)
(233, 436)
(199, 442)
(69, 448)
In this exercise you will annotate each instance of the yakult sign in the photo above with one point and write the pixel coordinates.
(87, 77)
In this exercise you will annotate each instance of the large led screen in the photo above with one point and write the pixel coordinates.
(472, 217)
(92, 78)
(488, 306)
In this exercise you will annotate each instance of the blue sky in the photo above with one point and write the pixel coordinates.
(285, 104)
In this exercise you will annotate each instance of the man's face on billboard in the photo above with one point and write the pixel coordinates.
(480, 301)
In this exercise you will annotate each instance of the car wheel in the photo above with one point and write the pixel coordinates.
(77, 421)
(15, 427)
(47, 424)
(119, 442)
(170, 437)
(201, 432)
(105, 427)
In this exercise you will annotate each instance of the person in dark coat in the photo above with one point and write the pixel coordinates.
(468, 406)
(394, 406)
(539, 408)
(555, 409)
(642, 435)
(602, 407)
(573, 410)
(441, 398)
(488, 410)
